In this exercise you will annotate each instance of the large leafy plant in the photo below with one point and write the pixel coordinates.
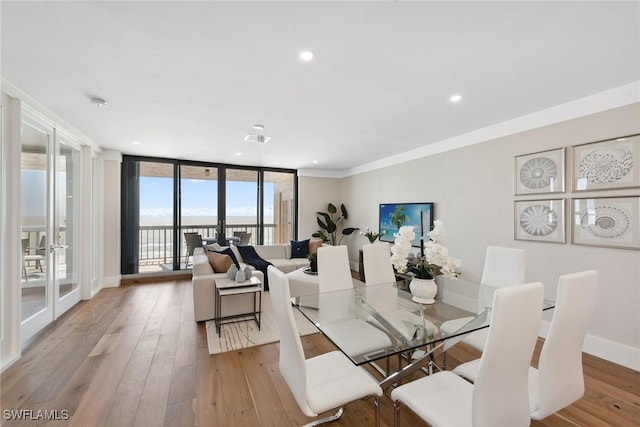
(332, 224)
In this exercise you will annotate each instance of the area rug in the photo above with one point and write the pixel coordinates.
(244, 333)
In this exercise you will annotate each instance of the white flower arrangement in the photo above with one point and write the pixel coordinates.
(435, 255)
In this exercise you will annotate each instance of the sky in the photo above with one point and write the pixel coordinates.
(200, 197)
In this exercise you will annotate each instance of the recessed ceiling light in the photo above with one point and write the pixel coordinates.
(621, 139)
(135, 142)
(306, 55)
(315, 162)
(98, 102)
(258, 127)
(455, 98)
(238, 154)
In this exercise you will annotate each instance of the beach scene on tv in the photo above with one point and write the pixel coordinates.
(395, 215)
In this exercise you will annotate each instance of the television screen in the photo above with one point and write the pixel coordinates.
(395, 215)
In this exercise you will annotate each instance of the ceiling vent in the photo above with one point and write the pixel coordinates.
(252, 137)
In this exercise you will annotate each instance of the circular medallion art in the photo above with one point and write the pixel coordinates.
(606, 165)
(611, 222)
(538, 172)
(538, 220)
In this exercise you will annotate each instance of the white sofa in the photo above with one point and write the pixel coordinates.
(204, 279)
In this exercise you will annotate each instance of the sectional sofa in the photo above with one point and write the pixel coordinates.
(204, 279)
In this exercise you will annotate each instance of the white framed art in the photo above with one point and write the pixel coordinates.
(540, 173)
(607, 165)
(612, 222)
(540, 220)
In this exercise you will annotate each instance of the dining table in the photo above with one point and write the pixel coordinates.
(413, 328)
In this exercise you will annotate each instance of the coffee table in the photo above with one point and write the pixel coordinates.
(226, 287)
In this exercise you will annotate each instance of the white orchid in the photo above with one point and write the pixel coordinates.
(435, 254)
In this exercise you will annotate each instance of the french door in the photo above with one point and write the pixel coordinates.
(49, 281)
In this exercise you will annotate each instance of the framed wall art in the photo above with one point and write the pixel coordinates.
(539, 173)
(606, 165)
(612, 222)
(540, 220)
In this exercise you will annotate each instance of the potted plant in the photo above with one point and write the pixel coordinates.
(331, 225)
(372, 236)
(313, 261)
(434, 260)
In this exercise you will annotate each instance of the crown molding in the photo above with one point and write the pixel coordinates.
(42, 113)
(596, 103)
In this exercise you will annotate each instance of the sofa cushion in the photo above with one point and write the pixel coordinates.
(284, 265)
(219, 262)
(300, 262)
(314, 245)
(299, 249)
(231, 253)
(269, 252)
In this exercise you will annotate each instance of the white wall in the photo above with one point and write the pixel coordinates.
(472, 189)
(313, 196)
(111, 218)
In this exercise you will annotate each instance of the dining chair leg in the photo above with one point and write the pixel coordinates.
(396, 413)
(328, 419)
(376, 404)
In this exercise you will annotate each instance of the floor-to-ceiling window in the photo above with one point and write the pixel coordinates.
(171, 206)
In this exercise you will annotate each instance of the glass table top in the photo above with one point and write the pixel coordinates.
(407, 324)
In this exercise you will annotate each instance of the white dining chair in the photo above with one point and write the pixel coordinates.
(378, 269)
(321, 383)
(340, 325)
(334, 272)
(559, 380)
(499, 397)
(502, 267)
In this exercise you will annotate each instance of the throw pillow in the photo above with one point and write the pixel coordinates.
(314, 245)
(230, 252)
(299, 249)
(219, 262)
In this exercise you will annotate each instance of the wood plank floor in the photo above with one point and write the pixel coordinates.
(133, 356)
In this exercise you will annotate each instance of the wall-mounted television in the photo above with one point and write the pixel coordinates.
(394, 215)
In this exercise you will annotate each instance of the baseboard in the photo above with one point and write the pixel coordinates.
(611, 351)
(11, 361)
(111, 281)
(95, 292)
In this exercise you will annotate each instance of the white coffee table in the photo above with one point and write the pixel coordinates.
(226, 287)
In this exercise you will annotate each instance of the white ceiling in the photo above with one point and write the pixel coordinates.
(189, 79)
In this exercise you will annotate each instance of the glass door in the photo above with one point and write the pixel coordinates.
(65, 251)
(198, 210)
(240, 222)
(49, 226)
(278, 207)
(36, 277)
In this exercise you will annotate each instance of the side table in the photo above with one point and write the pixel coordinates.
(226, 287)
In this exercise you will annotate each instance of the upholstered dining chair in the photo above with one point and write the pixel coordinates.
(499, 397)
(559, 380)
(502, 267)
(378, 269)
(321, 383)
(334, 274)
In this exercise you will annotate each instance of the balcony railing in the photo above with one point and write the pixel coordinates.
(156, 241)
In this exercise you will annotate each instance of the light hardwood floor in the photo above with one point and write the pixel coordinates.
(134, 356)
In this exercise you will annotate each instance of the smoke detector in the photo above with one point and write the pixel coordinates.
(252, 137)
